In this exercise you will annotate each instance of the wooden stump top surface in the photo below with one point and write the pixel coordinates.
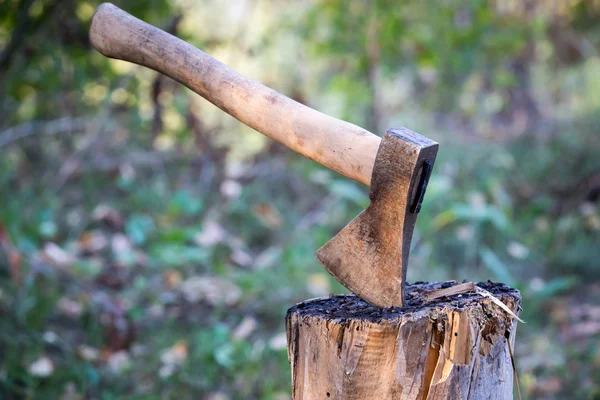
(351, 307)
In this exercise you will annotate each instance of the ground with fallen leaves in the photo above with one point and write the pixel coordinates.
(184, 299)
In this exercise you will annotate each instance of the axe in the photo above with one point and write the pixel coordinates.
(370, 255)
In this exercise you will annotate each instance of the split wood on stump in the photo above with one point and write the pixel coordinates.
(449, 348)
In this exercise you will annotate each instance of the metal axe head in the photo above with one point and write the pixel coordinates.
(370, 255)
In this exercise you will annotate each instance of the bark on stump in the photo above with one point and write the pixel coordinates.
(450, 348)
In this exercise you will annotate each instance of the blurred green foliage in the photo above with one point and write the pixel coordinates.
(150, 246)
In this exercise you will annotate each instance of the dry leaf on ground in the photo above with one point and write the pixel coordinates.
(213, 290)
(245, 328)
(119, 362)
(57, 256)
(42, 367)
(279, 341)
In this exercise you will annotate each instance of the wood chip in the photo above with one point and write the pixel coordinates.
(450, 291)
(467, 288)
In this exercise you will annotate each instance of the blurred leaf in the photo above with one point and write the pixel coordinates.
(42, 367)
(179, 235)
(86, 268)
(347, 190)
(268, 215)
(224, 355)
(480, 214)
(138, 227)
(556, 286)
(185, 203)
(174, 255)
(216, 291)
(496, 266)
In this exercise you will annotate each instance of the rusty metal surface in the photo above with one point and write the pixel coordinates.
(370, 255)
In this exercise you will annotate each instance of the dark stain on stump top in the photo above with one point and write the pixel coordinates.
(352, 307)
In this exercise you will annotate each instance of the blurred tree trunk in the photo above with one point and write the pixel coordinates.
(373, 62)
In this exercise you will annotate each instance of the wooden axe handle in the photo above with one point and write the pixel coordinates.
(338, 145)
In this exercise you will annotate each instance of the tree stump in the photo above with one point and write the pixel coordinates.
(452, 347)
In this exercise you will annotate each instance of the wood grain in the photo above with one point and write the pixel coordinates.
(454, 348)
(338, 145)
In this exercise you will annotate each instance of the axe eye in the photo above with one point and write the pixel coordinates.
(423, 181)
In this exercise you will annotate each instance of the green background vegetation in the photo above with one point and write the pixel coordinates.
(150, 245)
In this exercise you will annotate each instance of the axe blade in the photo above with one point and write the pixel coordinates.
(370, 255)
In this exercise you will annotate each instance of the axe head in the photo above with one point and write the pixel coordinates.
(370, 255)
